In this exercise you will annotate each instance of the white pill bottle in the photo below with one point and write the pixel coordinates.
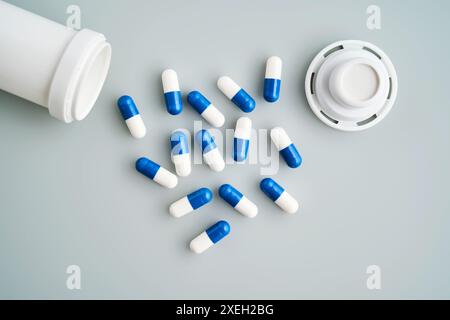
(50, 64)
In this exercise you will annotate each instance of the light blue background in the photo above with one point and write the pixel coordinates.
(70, 195)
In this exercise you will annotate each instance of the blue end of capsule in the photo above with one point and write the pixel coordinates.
(204, 138)
(230, 194)
(272, 189)
(179, 143)
(127, 107)
(244, 101)
(147, 167)
(198, 101)
(174, 103)
(240, 149)
(272, 89)
(291, 156)
(218, 231)
(200, 198)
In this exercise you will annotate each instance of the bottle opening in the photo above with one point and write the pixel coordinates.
(92, 81)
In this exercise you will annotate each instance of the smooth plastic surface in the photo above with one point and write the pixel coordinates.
(211, 153)
(182, 164)
(127, 107)
(180, 208)
(179, 143)
(272, 80)
(272, 89)
(230, 194)
(236, 94)
(198, 101)
(191, 202)
(157, 173)
(242, 135)
(244, 101)
(286, 148)
(247, 208)
(240, 149)
(287, 203)
(50, 64)
(201, 243)
(180, 154)
(200, 197)
(136, 126)
(214, 160)
(218, 231)
(206, 109)
(133, 119)
(172, 93)
(292, 157)
(238, 201)
(205, 140)
(208, 238)
(147, 167)
(351, 85)
(174, 102)
(279, 196)
(271, 189)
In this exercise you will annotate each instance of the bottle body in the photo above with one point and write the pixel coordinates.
(49, 64)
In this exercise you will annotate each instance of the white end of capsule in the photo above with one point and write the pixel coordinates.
(287, 203)
(136, 126)
(201, 243)
(182, 164)
(180, 208)
(243, 128)
(280, 138)
(214, 160)
(166, 178)
(170, 81)
(247, 208)
(213, 116)
(274, 68)
(228, 87)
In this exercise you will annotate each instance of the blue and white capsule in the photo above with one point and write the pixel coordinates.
(242, 135)
(285, 146)
(191, 202)
(157, 173)
(272, 80)
(206, 109)
(210, 236)
(238, 201)
(180, 154)
(172, 93)
(133, 119)
(236, 94)
(278, 195)
(211, 153)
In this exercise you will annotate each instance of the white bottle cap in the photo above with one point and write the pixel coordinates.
(351, 85)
